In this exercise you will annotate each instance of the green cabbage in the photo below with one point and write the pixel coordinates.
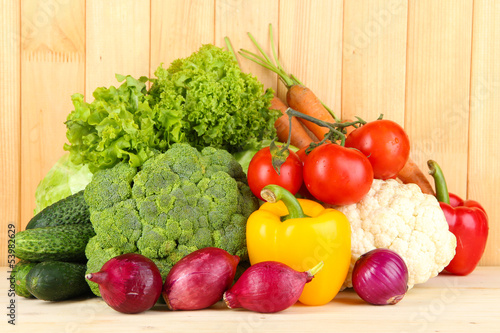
(63, 179)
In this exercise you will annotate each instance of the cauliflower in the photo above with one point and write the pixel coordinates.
(400, 217)
(177, 202)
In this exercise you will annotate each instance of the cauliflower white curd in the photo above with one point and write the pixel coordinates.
(400, 217)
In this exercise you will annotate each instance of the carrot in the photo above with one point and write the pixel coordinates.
(299, 137)
(299, 97)
(411, 173)
(302, 99)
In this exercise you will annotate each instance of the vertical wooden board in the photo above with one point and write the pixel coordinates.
(52, 69)
(235, 19)
(438, 86)
(484, 158)
(374, 59)
(118, 35)
(178, 28)
(10, 41)
(310, 42)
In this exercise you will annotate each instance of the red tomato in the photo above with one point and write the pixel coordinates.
(301, 153)
(386, 145)
(303, 192)
(337, 175)
(261, 172)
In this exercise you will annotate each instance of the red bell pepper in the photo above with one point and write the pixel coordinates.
(467, 220)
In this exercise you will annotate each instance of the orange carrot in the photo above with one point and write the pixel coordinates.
(302, 99)
(299, 97)
(299, 137)
(411, 173)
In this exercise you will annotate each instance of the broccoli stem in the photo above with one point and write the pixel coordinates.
(435, 171)
(274, 193)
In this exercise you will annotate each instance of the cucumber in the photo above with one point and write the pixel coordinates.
(63, 242)
(57, 280)
(20, 271)
(70, 210)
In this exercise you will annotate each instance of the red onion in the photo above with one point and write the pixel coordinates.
(129, 283)
(380, 277)
(199, 280)
(268, 286)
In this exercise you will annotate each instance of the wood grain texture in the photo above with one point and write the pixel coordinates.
(310, 42)
(374, 59)
(52, 69)
(438, 86)
(430, 65)
(484, 155)
(118, 40)
(235, 19)
(178, 28)
(10, 126)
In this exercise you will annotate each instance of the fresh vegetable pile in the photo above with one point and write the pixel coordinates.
(176, 203)
(181, 193)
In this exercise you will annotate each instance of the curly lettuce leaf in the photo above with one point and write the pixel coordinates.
(118, 125)
(206, 100)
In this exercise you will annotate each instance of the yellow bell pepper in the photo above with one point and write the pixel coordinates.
(300, 233)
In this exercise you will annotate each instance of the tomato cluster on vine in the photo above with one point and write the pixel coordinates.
(331, 172)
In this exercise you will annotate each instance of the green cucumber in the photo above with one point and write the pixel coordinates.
(57, 280)
(19, 273)
(70, 210)
(64, 243)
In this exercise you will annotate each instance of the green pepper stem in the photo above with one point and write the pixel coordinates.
(435, 171)
(274, 193)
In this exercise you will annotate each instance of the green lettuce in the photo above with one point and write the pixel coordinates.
(117, 125)
(63, 179)
(204, 100)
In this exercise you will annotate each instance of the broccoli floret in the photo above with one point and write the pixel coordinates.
(110, 186)
(177, 202)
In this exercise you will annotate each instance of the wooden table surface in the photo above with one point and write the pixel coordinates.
(443, 304)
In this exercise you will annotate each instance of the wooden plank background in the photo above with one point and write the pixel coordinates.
(432, 66)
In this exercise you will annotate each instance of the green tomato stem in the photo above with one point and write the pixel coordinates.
(338, 134)
(274, 193)
(435, 171)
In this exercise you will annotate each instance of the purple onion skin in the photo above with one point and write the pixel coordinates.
(199, 279)
(267, 287)
(380, 277)
(129, 283)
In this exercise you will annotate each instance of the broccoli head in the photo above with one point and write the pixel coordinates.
(175, 203)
